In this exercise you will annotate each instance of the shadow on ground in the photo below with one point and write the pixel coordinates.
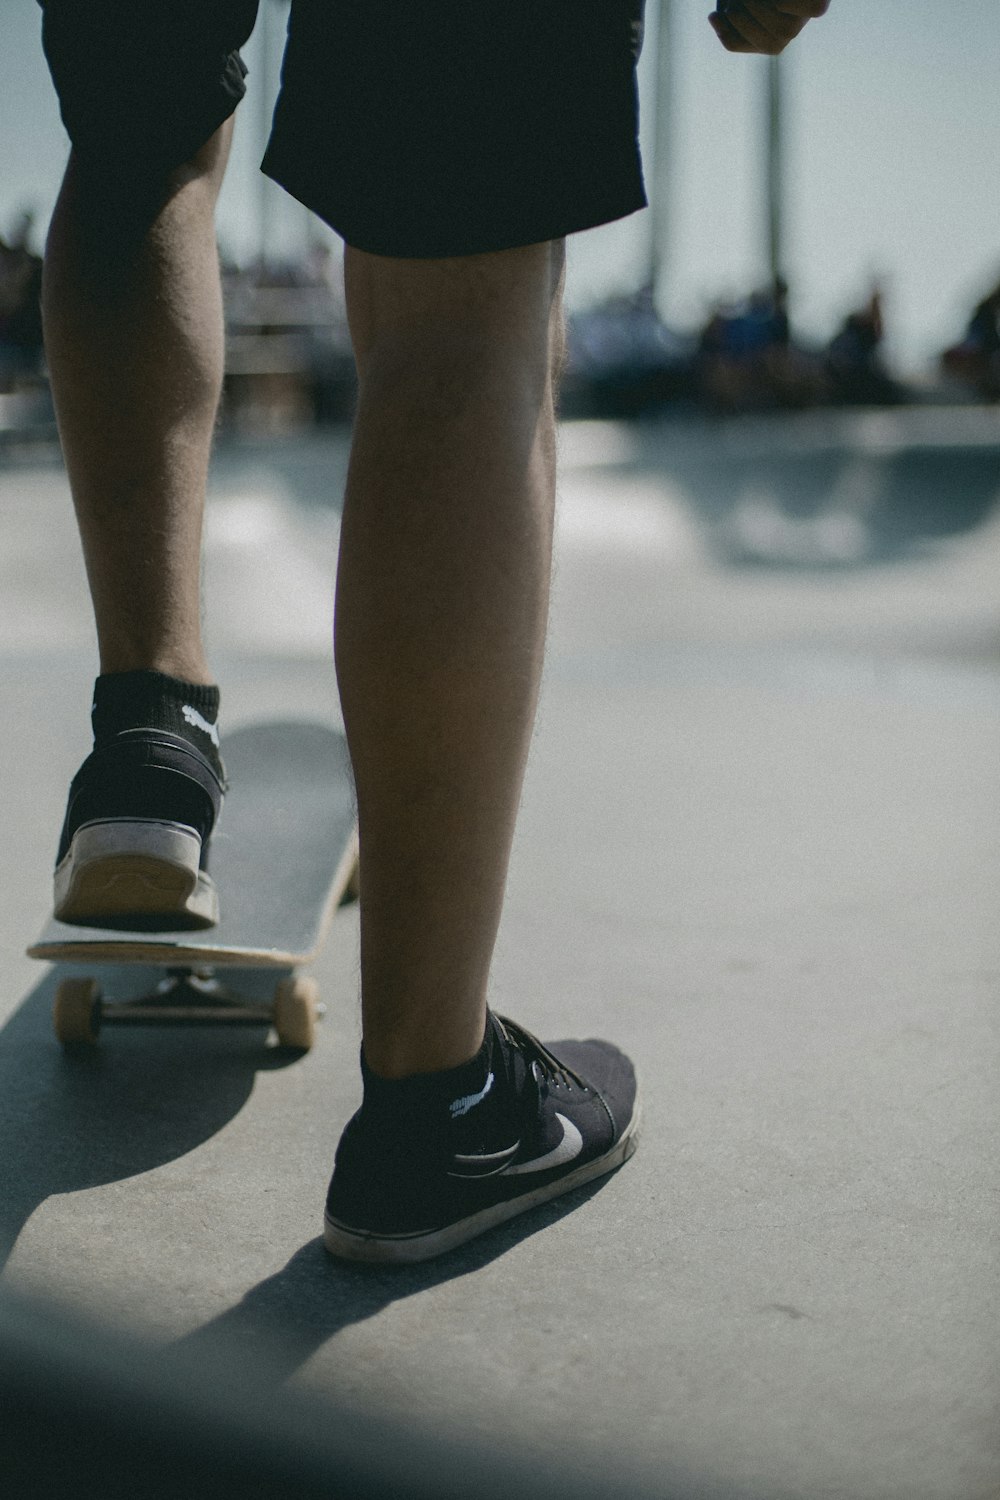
(83, 1118)
(293, 1313)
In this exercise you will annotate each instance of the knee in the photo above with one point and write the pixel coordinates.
(454, 330)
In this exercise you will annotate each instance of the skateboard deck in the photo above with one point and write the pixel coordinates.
(284, 856)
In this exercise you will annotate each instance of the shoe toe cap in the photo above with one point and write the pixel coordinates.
(605, 1068)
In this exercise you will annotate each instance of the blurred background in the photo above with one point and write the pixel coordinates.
(824, 228)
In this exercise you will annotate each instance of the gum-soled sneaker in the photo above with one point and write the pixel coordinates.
(431, 1161)
(134, 846)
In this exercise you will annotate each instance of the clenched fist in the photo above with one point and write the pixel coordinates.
(763, 25)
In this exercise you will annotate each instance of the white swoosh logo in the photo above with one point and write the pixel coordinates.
(571, 1145)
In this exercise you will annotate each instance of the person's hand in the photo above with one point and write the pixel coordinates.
(762, 25)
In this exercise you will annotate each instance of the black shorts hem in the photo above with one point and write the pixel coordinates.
(482, 237)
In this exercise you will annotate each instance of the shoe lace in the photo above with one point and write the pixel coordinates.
(539, 1060)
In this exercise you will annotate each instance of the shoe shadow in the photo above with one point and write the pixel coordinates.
(290, 1315)
(83, 1119)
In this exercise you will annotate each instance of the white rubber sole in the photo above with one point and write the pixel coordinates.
(407, 1249)
(122, 872)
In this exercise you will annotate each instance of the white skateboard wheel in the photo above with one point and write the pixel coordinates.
(296, 1008)
(76, 1013)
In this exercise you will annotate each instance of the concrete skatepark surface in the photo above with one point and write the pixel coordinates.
(758, 848)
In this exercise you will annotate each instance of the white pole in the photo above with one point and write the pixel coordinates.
(267, 193)
(775, 171)
(662, 183)
(264, 104)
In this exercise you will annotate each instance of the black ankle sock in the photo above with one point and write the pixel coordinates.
(152, 700)
(452, 1096)
(449, 1084)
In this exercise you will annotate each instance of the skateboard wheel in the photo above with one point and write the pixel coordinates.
(296, 1008)
(76, 1014)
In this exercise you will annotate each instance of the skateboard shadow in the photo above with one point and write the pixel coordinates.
(83, 1119)
(282, 1321)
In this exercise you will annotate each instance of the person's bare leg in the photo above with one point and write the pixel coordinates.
(134, 338)
(441, 615)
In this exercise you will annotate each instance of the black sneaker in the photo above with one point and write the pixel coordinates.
(134, 846)
(432, 1161)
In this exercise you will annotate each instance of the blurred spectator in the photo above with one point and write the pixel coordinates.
(622, 360)
(854, 364)
(976, 360)
(747, 360)
(21, 353)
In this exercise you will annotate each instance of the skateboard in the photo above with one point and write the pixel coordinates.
(284, 856)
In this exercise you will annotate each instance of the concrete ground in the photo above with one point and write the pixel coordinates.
(758, 848)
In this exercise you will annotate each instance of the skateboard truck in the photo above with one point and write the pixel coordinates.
(190, 996)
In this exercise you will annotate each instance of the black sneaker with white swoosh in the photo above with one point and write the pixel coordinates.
(432, 1161)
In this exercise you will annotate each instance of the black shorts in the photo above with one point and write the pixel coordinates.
(412, 127)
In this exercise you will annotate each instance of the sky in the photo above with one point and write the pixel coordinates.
(892, 169)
